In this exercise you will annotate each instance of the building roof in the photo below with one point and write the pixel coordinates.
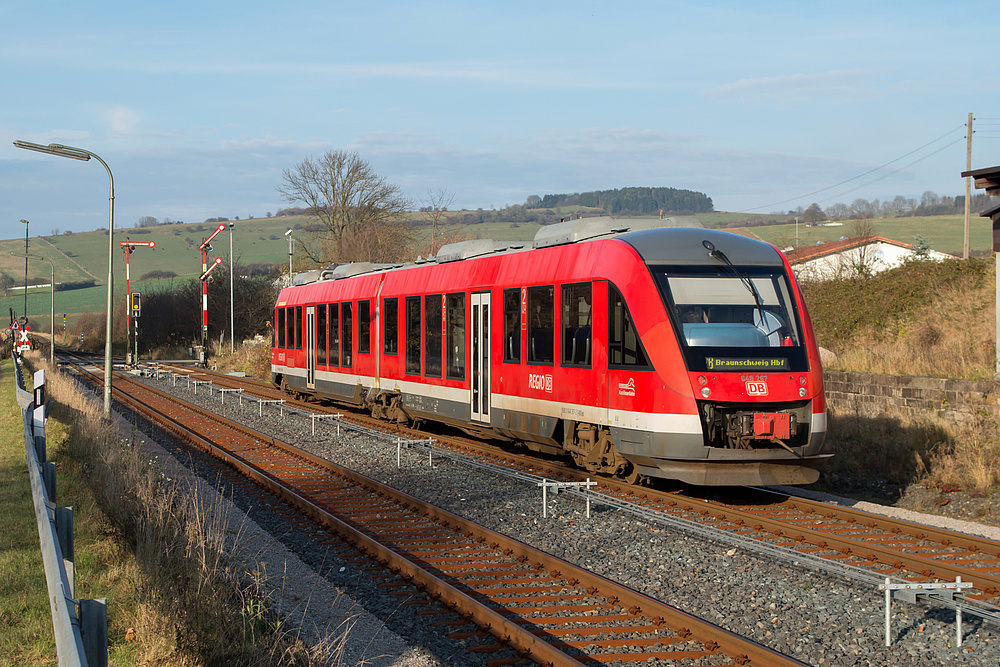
(807, 253)
(800, 255)
(988, 178)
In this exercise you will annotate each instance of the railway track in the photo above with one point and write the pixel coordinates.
(539, 606)
(884, 546)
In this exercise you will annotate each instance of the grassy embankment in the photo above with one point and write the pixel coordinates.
(925, 319)
(154, 552)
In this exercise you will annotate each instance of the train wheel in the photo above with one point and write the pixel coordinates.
(633, 476)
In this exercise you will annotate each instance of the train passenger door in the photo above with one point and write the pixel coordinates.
(311, 347)
(480, 348)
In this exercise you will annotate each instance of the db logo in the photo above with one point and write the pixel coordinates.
(542, 382)
(756, 389)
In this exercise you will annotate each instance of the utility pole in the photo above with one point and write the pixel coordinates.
(968, 187)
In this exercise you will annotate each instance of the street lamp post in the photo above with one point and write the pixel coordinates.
(290, 238)
(52, 305)
(84, 155)
(25, 313)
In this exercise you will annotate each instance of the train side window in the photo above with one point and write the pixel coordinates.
(346, 335)
(455, 340)
(390, 330)
(321, 334)
(364, 327)
(298, 327)
(334, 334)
(279, 328)
(512, 325)
(432, 335)
(541, 335)
(413, 338)
(624, 346)
(576, 320)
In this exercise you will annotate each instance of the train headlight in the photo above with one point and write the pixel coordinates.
(802, 392)
(705, 391)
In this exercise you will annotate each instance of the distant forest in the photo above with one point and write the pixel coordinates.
(630, 201)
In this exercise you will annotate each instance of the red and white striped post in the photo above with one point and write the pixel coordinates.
(205, 247)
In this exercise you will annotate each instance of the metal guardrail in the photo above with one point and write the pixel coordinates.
(80, 626)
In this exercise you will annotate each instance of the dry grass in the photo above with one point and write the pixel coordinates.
(252, 358)
(925, 450)
(940, 321)
(165, 572)
(953, 336)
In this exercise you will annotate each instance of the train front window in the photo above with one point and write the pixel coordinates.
(753, 311)
(728, 313)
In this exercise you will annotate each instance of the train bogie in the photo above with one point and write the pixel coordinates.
(666, 352)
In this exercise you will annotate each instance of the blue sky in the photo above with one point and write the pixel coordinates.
(198, 107)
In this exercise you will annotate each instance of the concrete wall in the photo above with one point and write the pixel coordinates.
(871, 395)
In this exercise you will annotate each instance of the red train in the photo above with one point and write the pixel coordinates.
(637, 349)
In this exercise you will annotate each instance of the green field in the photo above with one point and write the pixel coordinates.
(83, 256)
(946, 233)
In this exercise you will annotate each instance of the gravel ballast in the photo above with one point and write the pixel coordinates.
(818, 618)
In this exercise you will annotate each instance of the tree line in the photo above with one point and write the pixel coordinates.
(929, 203)
(630, 201)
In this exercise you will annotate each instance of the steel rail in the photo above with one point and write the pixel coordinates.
(822, 538)
(527, 643)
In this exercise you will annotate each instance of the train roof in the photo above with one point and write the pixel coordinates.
(684, 244)
(688, 246)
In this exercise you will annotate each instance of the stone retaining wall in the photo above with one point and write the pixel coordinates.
(871, 395)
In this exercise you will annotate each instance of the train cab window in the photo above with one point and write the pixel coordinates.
(432, 335)
(334, 334)
(624, 346)
(512, 325)
(279, 328)
(346, 334)
(576, 320)
(455, 337)
(321, 334)
(413, 337)
(364, 327)
(298, 327)
(390, 327)
(541, 335)
(747, 309)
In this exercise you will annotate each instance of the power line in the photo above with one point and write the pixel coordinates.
(891, 173)
(870, 171)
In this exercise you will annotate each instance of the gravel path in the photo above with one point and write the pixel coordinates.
(817, 618)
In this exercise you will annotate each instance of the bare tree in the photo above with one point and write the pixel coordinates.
(434, 208)
(344, 195)
(861, 228)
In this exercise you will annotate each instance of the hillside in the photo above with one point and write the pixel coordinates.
(924, 318)
(81, 257)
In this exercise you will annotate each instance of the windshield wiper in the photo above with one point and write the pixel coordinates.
(744, 278)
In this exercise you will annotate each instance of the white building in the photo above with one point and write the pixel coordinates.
(853, 257)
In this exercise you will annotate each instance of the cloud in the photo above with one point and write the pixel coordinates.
(842, 84)
(122, 120)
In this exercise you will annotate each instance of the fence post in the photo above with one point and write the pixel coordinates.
(38, 415)
(64, 531)
(94, 631)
